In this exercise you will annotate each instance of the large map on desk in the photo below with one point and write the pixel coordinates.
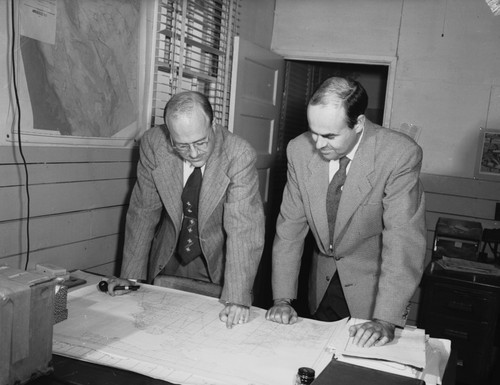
(178, 337)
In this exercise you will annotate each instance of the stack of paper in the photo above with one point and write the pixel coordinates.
(410, 354)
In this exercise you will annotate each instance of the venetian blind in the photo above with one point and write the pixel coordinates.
(194, 52)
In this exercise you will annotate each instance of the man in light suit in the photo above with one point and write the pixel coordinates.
(369, 266)
(230, 213)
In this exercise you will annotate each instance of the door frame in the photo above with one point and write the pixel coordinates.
(389, 61)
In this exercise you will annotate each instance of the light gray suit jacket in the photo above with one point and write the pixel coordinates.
(231, 217)
(379, 238)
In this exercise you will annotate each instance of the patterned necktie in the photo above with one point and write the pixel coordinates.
(188, 247)
(333, 196)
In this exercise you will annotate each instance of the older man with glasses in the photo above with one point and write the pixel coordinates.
(195, 210)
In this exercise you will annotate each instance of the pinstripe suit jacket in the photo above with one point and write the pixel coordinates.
(231, 218)
(379, 237)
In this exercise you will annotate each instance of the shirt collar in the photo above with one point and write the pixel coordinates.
(187, 169)
(351, 153)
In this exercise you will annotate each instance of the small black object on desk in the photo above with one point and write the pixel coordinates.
(103, 286)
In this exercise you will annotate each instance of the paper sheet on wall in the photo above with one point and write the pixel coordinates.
(37, 19)
(177, 336)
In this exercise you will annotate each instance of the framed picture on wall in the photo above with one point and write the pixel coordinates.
(488, 155)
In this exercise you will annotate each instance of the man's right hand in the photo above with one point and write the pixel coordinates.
(282, 312)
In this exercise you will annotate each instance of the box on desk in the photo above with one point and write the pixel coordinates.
(455, 238)
(26, 321)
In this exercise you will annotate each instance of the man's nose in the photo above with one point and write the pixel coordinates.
(320, 142)
(193, 151)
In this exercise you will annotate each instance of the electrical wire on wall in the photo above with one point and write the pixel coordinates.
(444, 17)
(19, 142)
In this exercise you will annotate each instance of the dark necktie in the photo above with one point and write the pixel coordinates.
(333, 196)
(188, 247)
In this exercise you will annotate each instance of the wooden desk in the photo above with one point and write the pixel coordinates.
(340, 373)
(68, 371)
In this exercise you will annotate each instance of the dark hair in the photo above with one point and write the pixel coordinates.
(349, 92)
(184, 102)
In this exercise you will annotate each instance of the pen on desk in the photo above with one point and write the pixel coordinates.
(103, 286)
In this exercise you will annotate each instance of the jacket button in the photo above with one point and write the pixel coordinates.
(328, 277)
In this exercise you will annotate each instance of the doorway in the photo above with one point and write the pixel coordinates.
(301, 80)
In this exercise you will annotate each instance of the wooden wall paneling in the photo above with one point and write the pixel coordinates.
(107, 221)
(60, 229)
(106, 269)
(79, 198)
(91, 253)
(44, 173)
(457, 186)
(52, 154)
(460, 198)
(59, 198)
(88, 254)
(462, 206)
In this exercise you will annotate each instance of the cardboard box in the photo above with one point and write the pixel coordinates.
(26, 321)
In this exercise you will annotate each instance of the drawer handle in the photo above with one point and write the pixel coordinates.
(456, 334)
(455, 305)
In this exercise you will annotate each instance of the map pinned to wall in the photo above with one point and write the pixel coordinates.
(82, 77)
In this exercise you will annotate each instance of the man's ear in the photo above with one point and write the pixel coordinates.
(360, 124)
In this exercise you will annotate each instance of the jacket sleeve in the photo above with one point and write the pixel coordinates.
(244, 226)
(142, 216)
(291, 230)
(403, 238)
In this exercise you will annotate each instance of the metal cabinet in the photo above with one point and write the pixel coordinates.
(463, 308)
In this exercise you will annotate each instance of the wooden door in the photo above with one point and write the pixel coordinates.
(256, 94)
(256, 91)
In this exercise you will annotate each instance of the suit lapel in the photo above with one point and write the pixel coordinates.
(317, 186)
(215, 180)
(358, 183)
(168, 178)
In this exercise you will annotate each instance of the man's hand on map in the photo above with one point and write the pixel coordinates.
(372, 333)
(234, 314)
(282, 312)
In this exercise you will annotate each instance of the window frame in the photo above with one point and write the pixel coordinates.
(190, 49)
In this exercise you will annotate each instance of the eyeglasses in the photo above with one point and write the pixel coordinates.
(201, 145)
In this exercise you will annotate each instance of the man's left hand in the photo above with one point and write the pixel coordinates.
(372, 333)
(234, 314)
